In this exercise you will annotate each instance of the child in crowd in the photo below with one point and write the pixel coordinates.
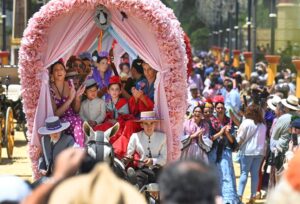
(92, 109)
(116, 108)
(53, 142)
(125, 71)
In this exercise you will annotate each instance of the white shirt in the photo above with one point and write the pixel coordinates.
(157, 143)
(93, 110)
(252, 138)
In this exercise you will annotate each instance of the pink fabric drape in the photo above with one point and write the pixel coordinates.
(85, 43)
(63, 36)
(44, 109)
(66, 33)
(138, 35)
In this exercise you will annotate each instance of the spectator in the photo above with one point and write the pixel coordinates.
(251, 137)
(189, 181)
(280, 135)
(13, 189)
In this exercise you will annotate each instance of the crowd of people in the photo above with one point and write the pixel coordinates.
(229, 119)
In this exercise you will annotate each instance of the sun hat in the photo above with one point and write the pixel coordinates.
(90, 83)
(291, 102)
(53, 125)
(148, 116)
(273, 101)
(13, 189)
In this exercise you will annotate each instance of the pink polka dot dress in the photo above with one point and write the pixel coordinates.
(74, 119)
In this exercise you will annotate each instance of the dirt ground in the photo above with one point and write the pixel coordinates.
(20, 164)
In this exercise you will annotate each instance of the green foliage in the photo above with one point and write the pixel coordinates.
(199, 38)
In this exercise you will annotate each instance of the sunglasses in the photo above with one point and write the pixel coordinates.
(78, 65)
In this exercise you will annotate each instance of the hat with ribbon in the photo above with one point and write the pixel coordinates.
(291, 102)
(53, 125)
(148, 116)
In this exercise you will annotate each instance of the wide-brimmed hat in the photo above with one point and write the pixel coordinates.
(53, 125)
(291, 102)
(273, 102)
(148, 116)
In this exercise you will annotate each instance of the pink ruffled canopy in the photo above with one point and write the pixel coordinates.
(65, 27)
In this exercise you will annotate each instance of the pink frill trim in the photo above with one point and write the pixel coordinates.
(161, 20)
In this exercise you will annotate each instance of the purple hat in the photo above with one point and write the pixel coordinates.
(85, 55)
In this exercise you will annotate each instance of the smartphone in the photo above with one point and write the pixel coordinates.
(295, 139)
(140, 85)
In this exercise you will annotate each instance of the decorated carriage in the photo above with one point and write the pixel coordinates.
(143, 28)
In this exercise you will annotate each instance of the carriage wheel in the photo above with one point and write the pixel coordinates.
(2, 126)
(9, 132)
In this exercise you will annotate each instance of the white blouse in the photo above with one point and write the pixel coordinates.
(154, 147)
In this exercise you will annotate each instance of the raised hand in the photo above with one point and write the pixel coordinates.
(80, 91)
(68, 162)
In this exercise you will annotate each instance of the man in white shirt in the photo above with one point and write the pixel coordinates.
(151, 147)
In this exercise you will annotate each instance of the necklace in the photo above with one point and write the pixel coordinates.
(61, 94)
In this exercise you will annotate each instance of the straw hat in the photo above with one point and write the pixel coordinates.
(53, 125)
(148, 116)
(291, 102)
(273, 102)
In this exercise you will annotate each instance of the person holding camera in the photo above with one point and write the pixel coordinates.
(295, 140)
(280, 134)
(143, 93)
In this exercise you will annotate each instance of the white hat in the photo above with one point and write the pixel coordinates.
(53, 125)
(273, 101)
(291, 102)
(148, 116)
(13, 189)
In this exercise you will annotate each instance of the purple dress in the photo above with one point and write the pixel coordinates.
(102, 83)
(74, 119)
(198, 146)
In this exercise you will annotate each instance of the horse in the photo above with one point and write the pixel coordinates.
(99, 149)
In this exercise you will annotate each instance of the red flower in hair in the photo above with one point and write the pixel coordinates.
(208, 100)
(61, 60)
(115, 80)
(218, 99)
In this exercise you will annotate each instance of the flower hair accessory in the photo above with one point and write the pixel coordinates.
(103, 54)
(61, 60)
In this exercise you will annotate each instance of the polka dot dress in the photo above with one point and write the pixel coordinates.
(74, 119)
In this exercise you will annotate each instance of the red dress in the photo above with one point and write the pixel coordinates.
(120, 145)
